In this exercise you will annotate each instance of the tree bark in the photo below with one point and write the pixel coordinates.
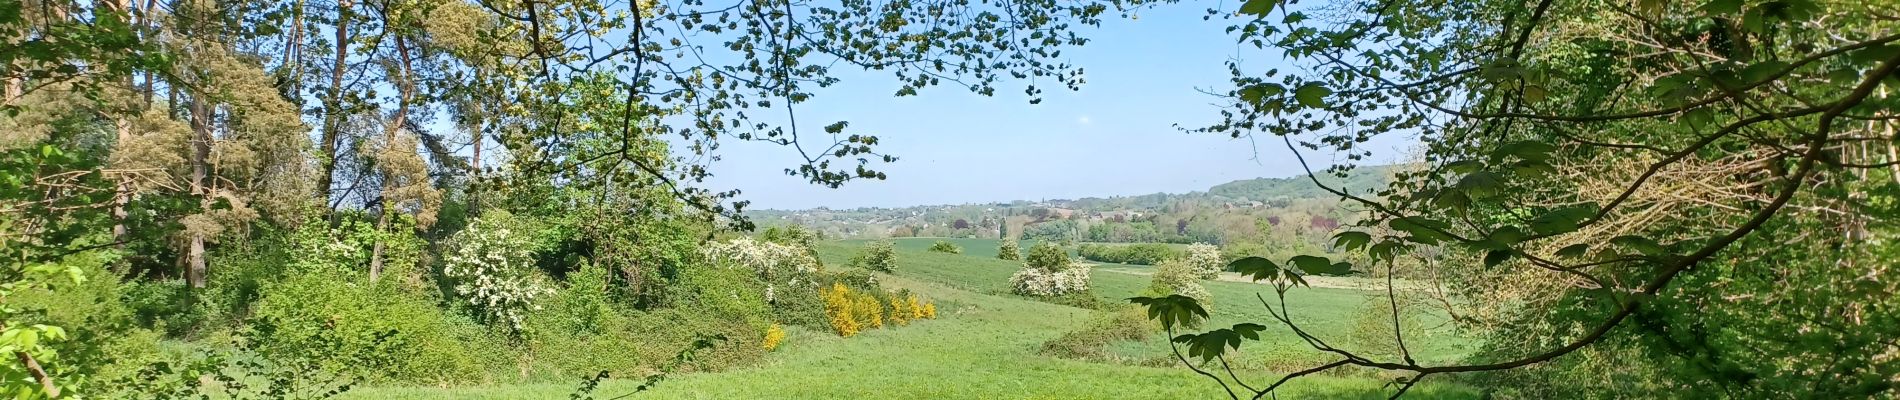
(407, 85)
(195, 269)
(333, 103)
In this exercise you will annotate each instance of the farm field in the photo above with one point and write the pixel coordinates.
(984, 346)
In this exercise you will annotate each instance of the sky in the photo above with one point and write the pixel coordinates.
(1118, 135)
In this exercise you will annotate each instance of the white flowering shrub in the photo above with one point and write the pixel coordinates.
(1046, 283)
(776, 264)
(492, 267)
(1204, 260)
(1180, 276)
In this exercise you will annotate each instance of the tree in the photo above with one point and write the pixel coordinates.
(1009, 250)
(878, 256)
(944, 246)
(1557, 136)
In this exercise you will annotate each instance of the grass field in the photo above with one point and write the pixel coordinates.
(984, 346)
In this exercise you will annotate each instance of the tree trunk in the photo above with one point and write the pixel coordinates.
(407, 86)
(195, 269)
(123, 122)
(333, 104)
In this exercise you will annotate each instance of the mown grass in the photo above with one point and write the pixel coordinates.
(984, 346)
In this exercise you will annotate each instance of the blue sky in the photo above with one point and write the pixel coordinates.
(1115, 136)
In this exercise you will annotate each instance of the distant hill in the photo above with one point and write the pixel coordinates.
(1297, 187)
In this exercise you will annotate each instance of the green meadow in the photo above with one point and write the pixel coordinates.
(985, 346)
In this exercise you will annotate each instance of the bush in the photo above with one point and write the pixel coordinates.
(1049, 272)
(350, 327)
(852, 310)
(1009, 250)
(581, 331)
(1179, 276)
(773, 263)
(878, 256)
(944, 246)
(1039, 282)
(1047, 256)
(492, 267)
(1205, 260)
(773, 336)
(1139, 254)
(102, 347)
(1089, 342)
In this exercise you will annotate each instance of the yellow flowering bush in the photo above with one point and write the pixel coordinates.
(838, 309)
(901, 313)
(773, 336)
(851, 311)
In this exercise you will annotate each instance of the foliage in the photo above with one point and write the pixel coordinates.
(1047, 256)
(1141, 254)
(944, 246)
(775, 264)
(492, 267)
(878, 256)
(1089, 341)
(1009, 250)
(854, 310)
(851, 311)
(1205, 260)
(341, 325)
(773, 336)
(1179, 276)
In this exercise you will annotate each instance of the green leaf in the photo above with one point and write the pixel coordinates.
(1640, 244)
(1699, 118)
(1761, 71)
(1351, 240)
(1424, 230)
(28, 339)
(1481, 184)
(1385, 250)
(1312, 95)
(1573, 251)
(1507, 235)
(1258, 8)
(1257, 267)
(1494, 257)
(1722, 7)
(1562, 220)
(1173, 310)
(1534, 94)
(1249, 330)
(1464, 166)
(1315, 265)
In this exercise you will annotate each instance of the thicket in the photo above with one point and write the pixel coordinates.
(1009, 250)
(1140, 254)
(944, 246)
(880, 256)
(1049, 272)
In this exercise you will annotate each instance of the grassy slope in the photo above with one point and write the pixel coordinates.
(984, 346)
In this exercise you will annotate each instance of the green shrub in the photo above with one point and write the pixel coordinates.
(1140, 254)
(1009, 250)
(492, 266)
(581, 331)
(1182, 277)
(944, 246)
(168, 306)
(1089, 342)
(880, 256)
(1047, 256)
(104, 345)
(348, 326)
